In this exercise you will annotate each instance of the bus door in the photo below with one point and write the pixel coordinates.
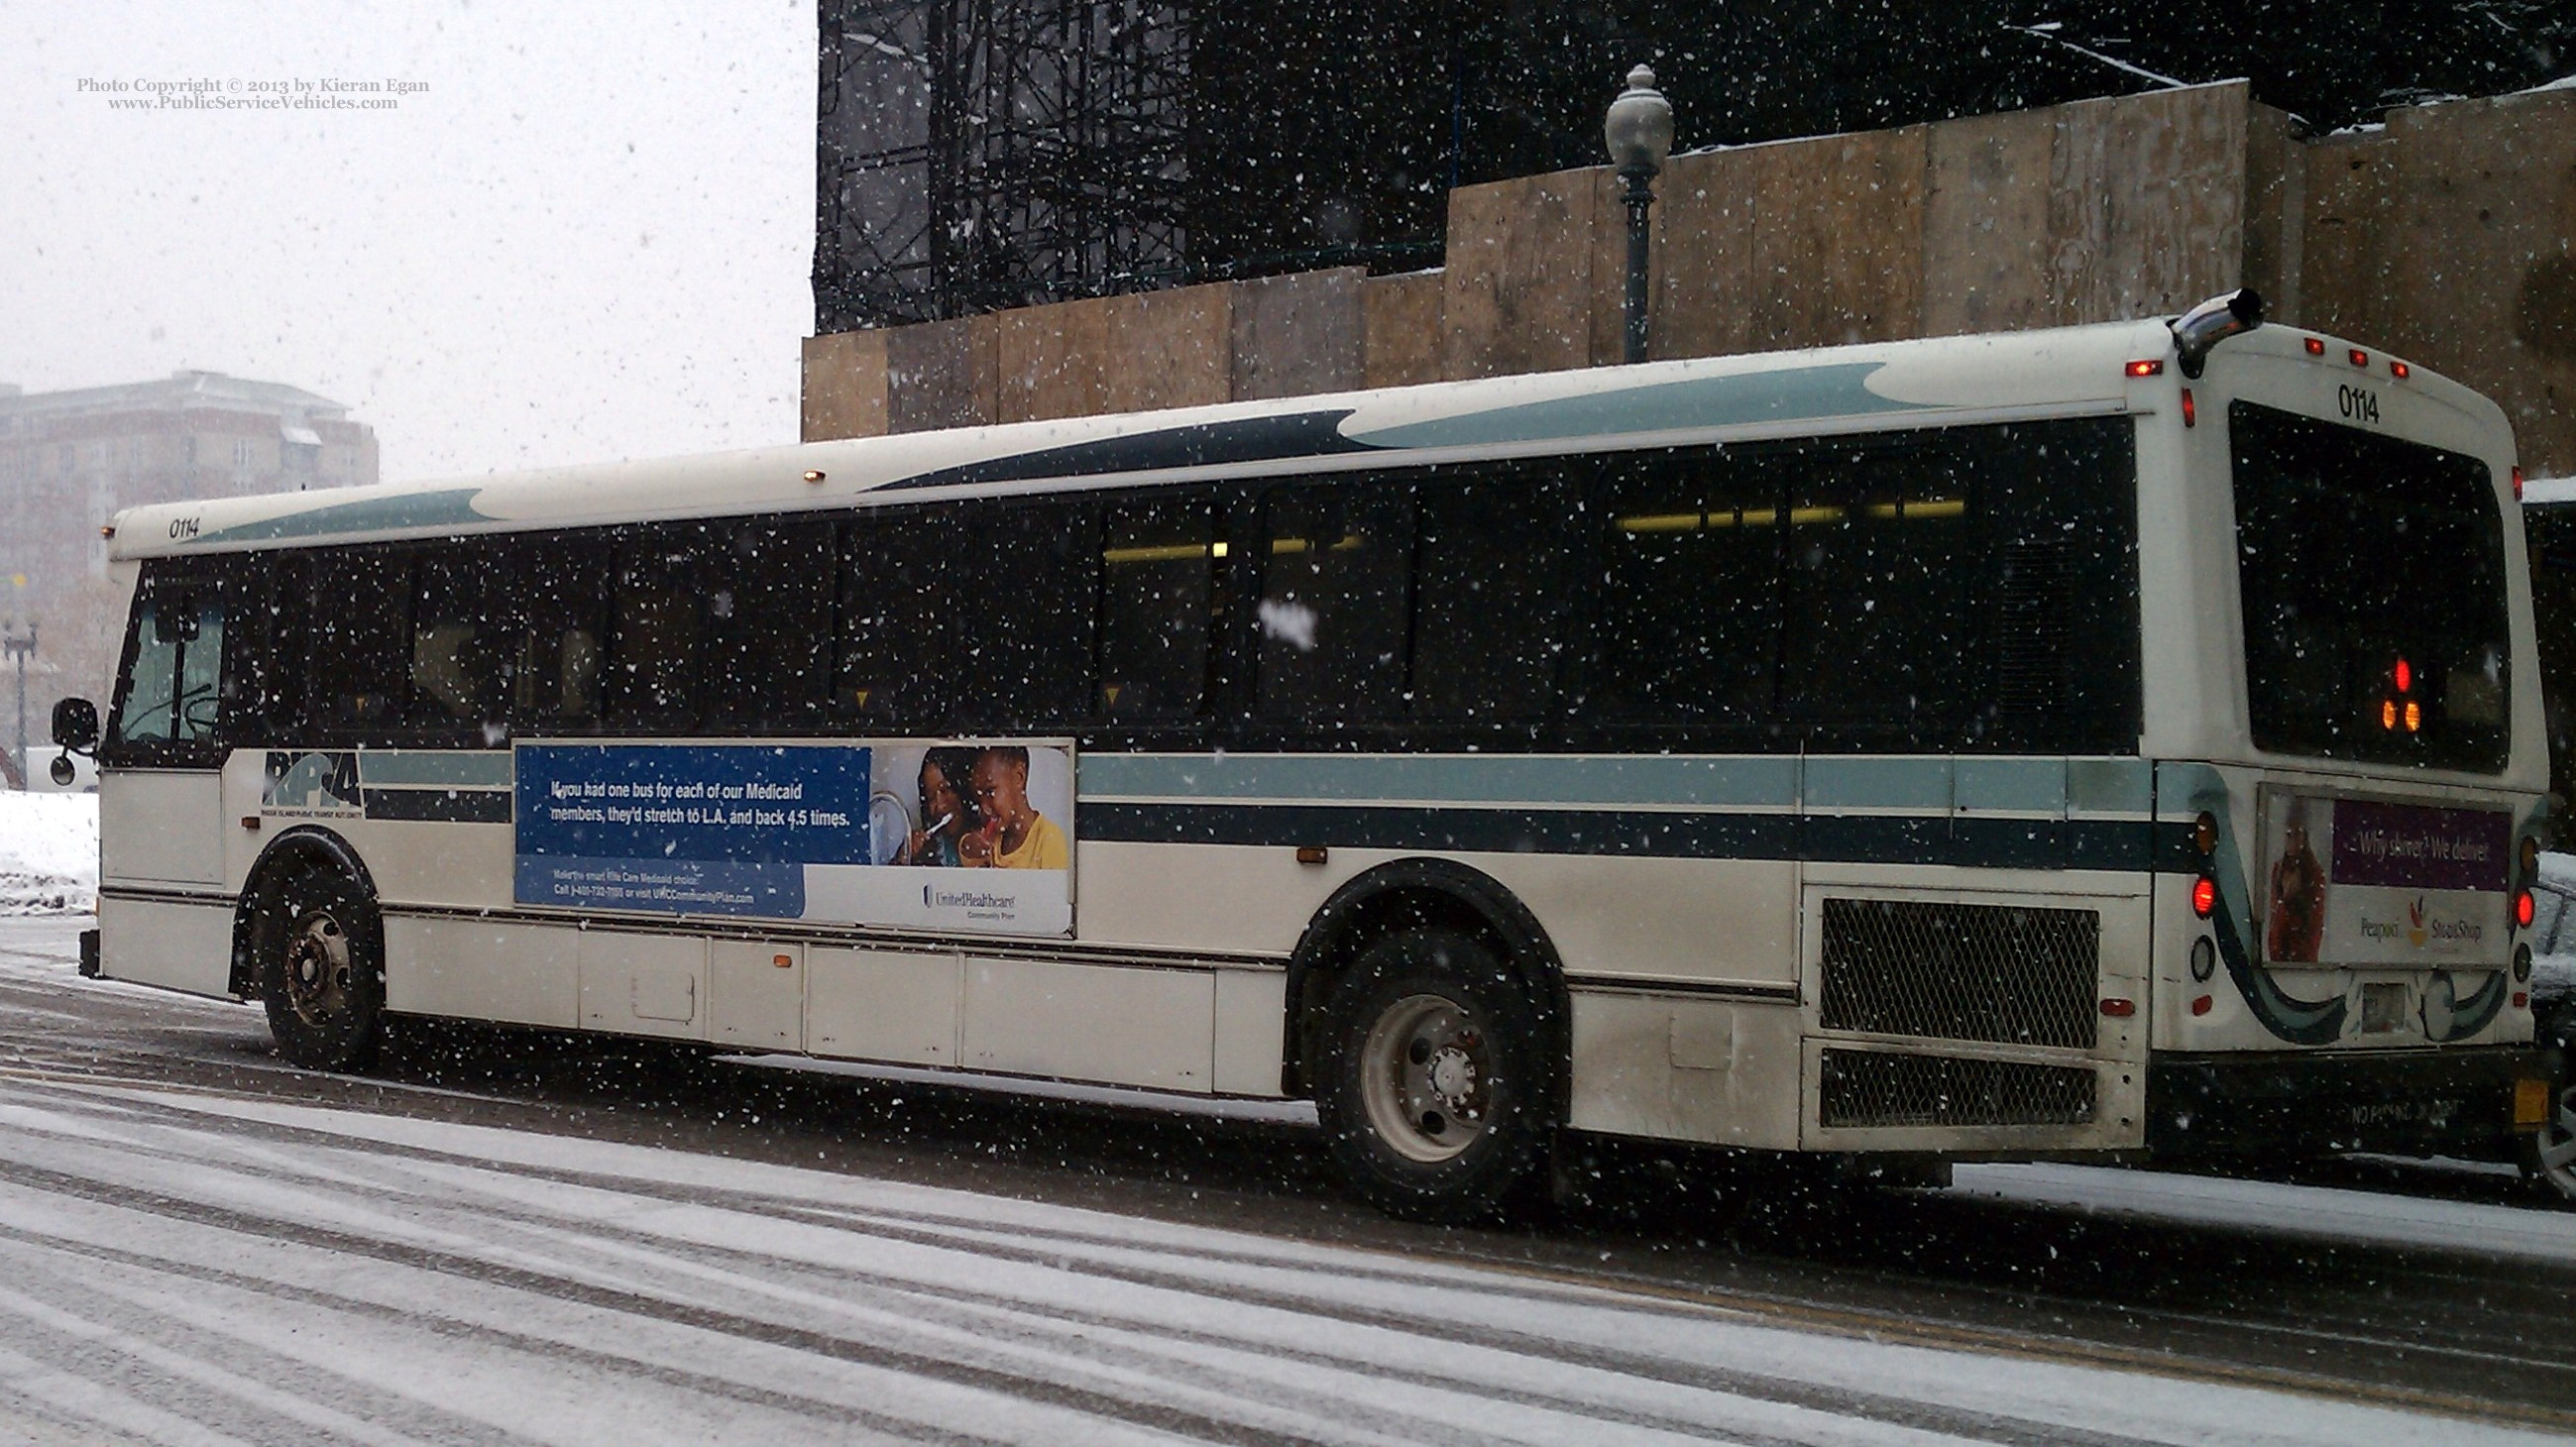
(164, 915)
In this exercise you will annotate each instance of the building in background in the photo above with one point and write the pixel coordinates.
(978, 156)
(69, 460)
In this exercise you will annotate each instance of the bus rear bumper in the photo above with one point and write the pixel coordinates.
(2305, 1103)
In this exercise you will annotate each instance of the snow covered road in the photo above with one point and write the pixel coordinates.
(200, 1246)
(191, 1268)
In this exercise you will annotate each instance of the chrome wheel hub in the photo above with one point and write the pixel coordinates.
(1427, 1078)
(317, 967)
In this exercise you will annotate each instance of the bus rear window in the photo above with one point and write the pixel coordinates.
(2374, 584)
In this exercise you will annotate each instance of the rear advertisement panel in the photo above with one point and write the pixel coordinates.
(950, 836)
(2367, 882)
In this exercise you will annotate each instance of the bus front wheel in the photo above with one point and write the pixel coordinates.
(321, 969)
(1432, 1087)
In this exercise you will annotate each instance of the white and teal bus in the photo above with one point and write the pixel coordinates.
(2095, 743)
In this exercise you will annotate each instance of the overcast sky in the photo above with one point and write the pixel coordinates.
(588, 238)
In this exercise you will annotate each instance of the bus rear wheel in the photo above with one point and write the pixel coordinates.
(320, 958)
(1432, 1086)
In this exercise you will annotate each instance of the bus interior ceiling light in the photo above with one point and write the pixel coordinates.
(2212, 322)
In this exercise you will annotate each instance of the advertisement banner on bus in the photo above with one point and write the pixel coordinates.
(2368, 882)
(936, 835)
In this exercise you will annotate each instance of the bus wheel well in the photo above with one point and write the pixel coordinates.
(1410, 894)
(296, 848)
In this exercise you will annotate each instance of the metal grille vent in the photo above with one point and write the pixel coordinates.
(1876, 1088)
(2008, 975)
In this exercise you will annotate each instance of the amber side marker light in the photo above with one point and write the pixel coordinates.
(813, 476)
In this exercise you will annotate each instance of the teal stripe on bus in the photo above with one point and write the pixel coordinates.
(442, 769)
(1497, 778)
(1928, 784)
(1742, 399)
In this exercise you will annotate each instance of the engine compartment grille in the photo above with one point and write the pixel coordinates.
(1882, 1088)
(2003, 974)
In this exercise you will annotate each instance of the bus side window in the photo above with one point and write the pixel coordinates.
(1335, 602)
(1157, 592)
(359, 607)
(459, 648)
(1027, 616)
(906, 647)
(562, 650)
(1489, 604)
(769, 606)
(657, 626)
(1885, 553)
(1690, 589)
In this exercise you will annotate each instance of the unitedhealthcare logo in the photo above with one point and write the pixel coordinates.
(933, 897)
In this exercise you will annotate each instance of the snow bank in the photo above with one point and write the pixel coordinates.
(48, 853)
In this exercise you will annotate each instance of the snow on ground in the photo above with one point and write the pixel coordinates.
(179, 1267)
(48, 853)
(2316, 1212)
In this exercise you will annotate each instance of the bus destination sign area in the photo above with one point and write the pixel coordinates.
(960, 836)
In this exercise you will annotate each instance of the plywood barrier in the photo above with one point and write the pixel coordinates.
(942, 374)
(1297, 335)
(844, 393)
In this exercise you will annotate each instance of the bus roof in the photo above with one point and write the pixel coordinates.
(1937, 381)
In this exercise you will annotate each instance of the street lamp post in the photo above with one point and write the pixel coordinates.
(20, 647)
(1639, 132)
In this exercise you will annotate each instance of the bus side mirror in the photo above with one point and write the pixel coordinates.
(76, 724)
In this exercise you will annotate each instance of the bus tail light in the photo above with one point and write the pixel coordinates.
(2522, 909)
(2204, 896)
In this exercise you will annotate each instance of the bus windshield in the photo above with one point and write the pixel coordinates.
(2373, 577)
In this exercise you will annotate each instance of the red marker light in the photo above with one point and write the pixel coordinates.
(2400, 371)
(2152, 367)
(2204, 896)
(2316, 346)
(2522, 909)
(2119, 1009)
(2359, 357)
(2200, 1004)
(2517, 485)
(2190, 414)
(2521, 1000)
(2405, 677)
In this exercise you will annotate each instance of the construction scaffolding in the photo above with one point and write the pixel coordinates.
(977, 155)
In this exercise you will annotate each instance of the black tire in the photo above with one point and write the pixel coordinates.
(318, 946)
(1433, 1085)
(2549, 1154)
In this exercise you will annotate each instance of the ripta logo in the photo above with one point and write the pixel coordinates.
(2415, 923)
